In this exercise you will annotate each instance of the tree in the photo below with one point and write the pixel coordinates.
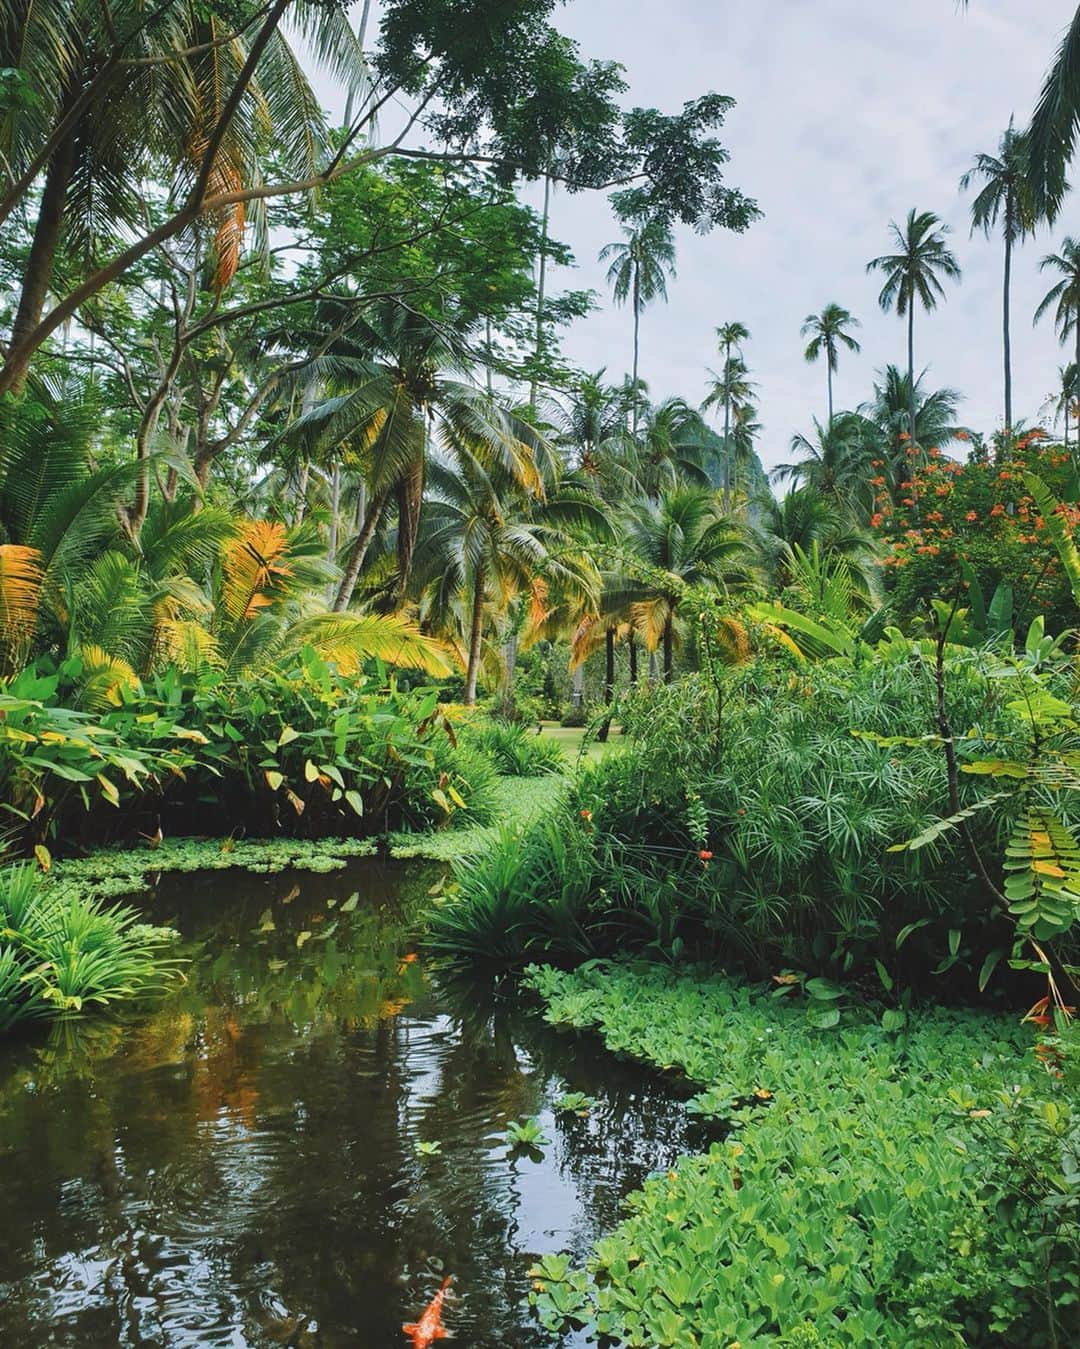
(1005, 196)
(804, 520)
(1067, 396)
(890, 412)
(836, 463)
(728, 388)
(679, 540)
(828, 332)
(505, 90)
(913, 274)
(1064, 295)
(485, 538)
(641, 263)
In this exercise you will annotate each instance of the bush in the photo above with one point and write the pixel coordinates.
(756, 831)
(299, 752)
(517, 750)
(62, 953)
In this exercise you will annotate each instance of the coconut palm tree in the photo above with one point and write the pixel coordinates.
(913, 274)
(1005, 196)
(1067, 396)
(1064, 296)
(890, 412)
(641, 263)
(731, 387)
(678, 540)
(837, 463)
(729, 339)
(484, 540)
(804, 520)
(828, 333)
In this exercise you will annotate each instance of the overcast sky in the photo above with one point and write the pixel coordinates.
(849, 112)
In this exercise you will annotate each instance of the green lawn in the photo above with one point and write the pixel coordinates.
(570, 738)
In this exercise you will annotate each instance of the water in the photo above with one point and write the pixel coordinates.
(238, 1167)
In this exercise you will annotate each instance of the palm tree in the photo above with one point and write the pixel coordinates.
(729, 388)
(913, 274)
(836, 463)
(1005, 196)
(484, 539)
(890, 412)
(801, 521)
(1064, 296)
(399, 399)
(1067, 395)
(641, 263)
(1052, 134)
(679, 540)
(729, 338)
(827, 333)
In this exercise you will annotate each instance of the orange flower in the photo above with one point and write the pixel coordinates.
(999, 509)
(972, 515)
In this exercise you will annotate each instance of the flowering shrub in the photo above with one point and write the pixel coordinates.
(977, 511)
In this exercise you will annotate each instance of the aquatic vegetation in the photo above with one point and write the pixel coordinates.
(576, 1103)
(865, 1193)
(63, 952)
(427, 1148)
(526, 1135)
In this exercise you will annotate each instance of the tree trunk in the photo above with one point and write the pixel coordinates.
(475, 633)
(631, 643)
(727, 431)
(410, 493)
(911, 399)
(335, 513)
(577, 687)
(669, 649)
(828, 370)
(1006, 339)
(541, 285)
(358, 552)
(40, 264)
(510, 650)
(609, 681)
(637, 323)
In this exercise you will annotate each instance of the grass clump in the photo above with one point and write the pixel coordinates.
(63, 953)
(518, 752)
(874, 1188)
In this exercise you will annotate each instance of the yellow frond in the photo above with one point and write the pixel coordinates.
(650, 617)
(348, 640)
(20, 596)
(185, 644)
(733, 641)
(103, 677)
(255, 561)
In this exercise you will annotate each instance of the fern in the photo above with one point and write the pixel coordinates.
(1042, 882)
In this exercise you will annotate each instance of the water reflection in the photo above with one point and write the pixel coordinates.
(240, 1166)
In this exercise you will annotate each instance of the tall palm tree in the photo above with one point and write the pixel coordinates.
(681, 539)
(1067, 395)
(836, 463)
(641, 263)
(1064, 295)
(729, 388)
(729, 339)
(914, 274)
(802, 520)
(1005, 196)
(828, 332)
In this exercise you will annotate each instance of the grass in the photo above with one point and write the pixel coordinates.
(571, 738)
(866, 1192)
(518, 801)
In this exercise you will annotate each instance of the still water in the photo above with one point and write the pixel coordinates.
(239, 1166)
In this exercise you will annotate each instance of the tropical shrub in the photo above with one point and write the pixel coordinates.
(298, 751)
(517, 750)
(873, 1187)
(746, 823)
(62, 952)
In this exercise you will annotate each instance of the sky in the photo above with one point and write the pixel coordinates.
(849, 113)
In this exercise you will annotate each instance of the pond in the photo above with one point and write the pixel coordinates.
(240, 1166)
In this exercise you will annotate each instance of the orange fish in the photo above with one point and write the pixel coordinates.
(429, 1328)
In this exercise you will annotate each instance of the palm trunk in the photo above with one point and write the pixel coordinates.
(637, 322)
(358, 552)
(510, 651)
(1006, 338)
(475, 633)
(727, 436)
(828, 370)
(541, 285)
(632, 649)
(609, 681)
(669, 649)
(42, 259)
(911, 399)
(335, 513)
(410, 493)
(577, 687)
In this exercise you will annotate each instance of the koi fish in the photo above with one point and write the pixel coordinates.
(429, 1328)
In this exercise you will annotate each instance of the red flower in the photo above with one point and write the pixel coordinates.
(586, 814)
(972, 515)
(705, 855)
